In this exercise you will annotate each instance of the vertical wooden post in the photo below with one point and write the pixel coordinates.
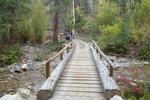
(100, 56)
(93, 46)
(47, 69)
(71, 45)
(111, 71)
(61, 56)
(97, 50)
(67, 49)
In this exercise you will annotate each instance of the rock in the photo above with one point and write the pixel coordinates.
(116, 97)
(24, 67)
(6, 97)
(25, 93)
(17, 68)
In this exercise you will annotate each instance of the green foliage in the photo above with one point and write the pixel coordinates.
(22, 21)
(146, 87)
(38, 20)
(107, 13)
(11, 12)
(115, 32)
(92, 27)
(53, 47)
(10, 55)
(121, 33)
(142, 30)
(80, 20)
(39, 57)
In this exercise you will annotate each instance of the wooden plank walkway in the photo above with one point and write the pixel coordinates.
(80, 79)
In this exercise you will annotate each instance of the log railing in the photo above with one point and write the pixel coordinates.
(60, 54)
(104, 57)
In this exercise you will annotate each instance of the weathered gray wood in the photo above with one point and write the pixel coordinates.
(110, 86)
(85, 75)
(48, 87)
(80, 78)
(79, 85)
(79, 81)
(81, 70)
(66, 97)
(79, 89)
(80, 94)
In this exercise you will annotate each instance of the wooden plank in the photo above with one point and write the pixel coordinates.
(80, 89)
(80, 64)
(80, 78)
(80, 72)
(81, 69)
(82, 55)
(76, 98)
(80, 61)
(78, 94)
(83, 63)
(79, 85)
(69, 73)
(79, 82)
(83, 76)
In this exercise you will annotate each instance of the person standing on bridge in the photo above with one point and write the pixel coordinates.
(72, 33)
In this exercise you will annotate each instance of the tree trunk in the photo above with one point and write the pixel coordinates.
(56, 23)
(55, 31)
(122, 8)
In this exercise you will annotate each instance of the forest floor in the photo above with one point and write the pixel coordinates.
(32, 79)
(138, 74)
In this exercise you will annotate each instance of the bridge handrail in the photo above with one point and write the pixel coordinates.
(60, 53)
(103, 56)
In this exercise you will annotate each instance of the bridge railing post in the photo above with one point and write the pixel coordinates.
(100, 56)
(97, 50)
(47, 69)
(61, 56)
(111, 71)
(67, 49)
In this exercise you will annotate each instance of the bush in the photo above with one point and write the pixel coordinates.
(10, 55)
(115, 38)
(39, 21)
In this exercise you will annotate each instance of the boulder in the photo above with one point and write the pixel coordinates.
(17, 68)
(116, 97)
(25, 93)
(24, 67)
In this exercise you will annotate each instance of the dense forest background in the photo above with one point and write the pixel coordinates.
(119, 26)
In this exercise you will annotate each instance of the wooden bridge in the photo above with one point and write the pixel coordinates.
(83, 73)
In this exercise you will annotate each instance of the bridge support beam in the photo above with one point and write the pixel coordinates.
(110, 86)
(49, 85)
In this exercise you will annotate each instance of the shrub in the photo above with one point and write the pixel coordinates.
(10, 55)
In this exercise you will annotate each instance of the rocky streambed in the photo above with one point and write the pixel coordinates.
(27, 72)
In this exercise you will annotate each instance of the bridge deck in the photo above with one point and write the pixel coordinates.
(80, 79)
